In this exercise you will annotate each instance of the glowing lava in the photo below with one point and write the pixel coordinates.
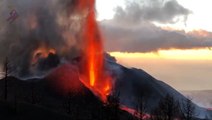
(94, 76)
(41, 52)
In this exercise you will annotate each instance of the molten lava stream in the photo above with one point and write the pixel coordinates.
(91, 67)
(94, 76)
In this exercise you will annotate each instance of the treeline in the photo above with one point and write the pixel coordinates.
(168, 109)
(171, 109)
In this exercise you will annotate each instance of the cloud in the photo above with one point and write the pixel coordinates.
(162, 11)
(146, 37)
(132, 28)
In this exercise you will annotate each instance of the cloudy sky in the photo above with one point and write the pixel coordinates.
(170, 39)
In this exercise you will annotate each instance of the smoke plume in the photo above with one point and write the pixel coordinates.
(44, 29)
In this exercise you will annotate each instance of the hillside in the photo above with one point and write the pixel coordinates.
(61, 93)
(38, 99)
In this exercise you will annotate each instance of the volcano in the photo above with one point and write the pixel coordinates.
(134, 83)
(58, 96)
(62, 89)
(90, 87)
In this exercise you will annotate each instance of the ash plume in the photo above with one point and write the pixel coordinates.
(42, 26)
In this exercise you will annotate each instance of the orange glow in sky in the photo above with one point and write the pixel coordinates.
(178, 68)
(177, 54)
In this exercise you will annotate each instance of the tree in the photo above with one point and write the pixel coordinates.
(141, 108)
(6, 73)
(168, 109)
(113, 105)
(188, 109)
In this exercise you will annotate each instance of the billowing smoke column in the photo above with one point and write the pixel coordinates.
(38, 36)
(41, 30)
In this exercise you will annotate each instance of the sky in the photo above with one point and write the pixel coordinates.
(199, 19)
(170, 39)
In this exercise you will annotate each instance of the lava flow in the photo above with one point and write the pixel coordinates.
(94, 76)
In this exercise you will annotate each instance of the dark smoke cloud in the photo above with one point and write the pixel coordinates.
(132, 30)
(146, 37)
(54, 24)
(163, 11)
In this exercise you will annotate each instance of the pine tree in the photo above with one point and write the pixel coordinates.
(188, 109)
(6, 69)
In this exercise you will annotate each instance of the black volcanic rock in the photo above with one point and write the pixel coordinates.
(132, 84)
(38, 99)
(48, 63)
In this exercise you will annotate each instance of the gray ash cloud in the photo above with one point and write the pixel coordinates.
(54, 24)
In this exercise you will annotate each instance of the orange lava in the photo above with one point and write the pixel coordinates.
(94, 76)
(42, 52)
(144, 116)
